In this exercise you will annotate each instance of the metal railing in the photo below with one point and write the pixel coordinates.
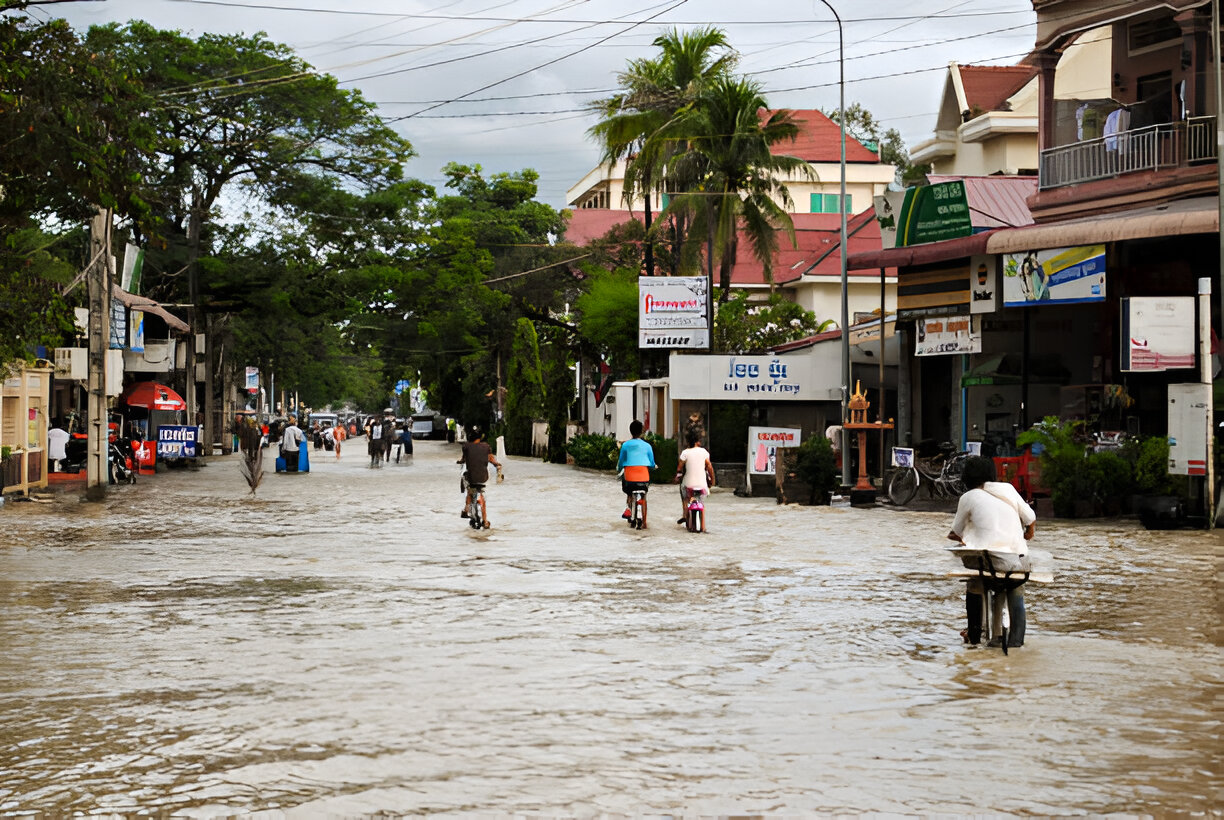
(1167, 145)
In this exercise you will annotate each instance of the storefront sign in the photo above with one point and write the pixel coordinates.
(1157, 333)
(177, 441)
(795, 377)
(983, 284)
(947, 335)
(667, 304)
(932, 213)
(252, 380)
(1058, 276)
(763, 444)
(932, 291)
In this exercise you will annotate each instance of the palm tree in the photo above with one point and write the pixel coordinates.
(653, 92)
(739, 182)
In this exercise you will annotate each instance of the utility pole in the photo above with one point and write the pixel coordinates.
(99, 292)
(193, 296)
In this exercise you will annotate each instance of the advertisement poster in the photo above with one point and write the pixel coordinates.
(174, 441)
(1057, 276)
(763, 444)
(252, 380)
(946, 335)
(983, 284)
(1157, 333)
(672, 312)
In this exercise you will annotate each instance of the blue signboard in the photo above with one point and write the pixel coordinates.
(175, 441)
(403, 385)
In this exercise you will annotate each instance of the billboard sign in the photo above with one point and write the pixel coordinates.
(672, 312)
(175, 441)
(932, 213)
(1157, 333)
(947, 335)
(1058, 276)
(763, 444)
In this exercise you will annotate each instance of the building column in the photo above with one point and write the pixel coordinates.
(1046, 64)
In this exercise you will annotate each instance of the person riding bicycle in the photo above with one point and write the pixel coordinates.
(697, 473)
(992, 516)
(477, 455)
(636, 459)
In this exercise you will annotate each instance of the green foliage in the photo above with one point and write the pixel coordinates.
(744, 326)
(608, 320)
(817, 467)
(667, 458)
(1073, 472)
(524, 388)
(593, 451)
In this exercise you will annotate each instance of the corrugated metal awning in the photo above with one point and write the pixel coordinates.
(1186, 216)
(959, 248)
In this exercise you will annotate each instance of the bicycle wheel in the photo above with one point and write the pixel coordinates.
(903, 485)
(696, 516)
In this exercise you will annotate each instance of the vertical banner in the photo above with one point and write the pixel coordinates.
(252, 380)
(118, 325)
(133, 264)
(763, 444)
(983, 284)
(136, 331)
(1058, 276)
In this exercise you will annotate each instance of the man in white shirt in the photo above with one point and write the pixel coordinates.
(291, 441)
(992, 516)
(57, 445)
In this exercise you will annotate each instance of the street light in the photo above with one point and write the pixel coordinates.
(845, 284)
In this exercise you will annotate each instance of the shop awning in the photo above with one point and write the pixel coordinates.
(959, 248)
(1007, 368)
(1186, 216)
(135, 302)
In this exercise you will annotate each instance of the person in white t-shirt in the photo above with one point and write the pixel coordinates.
(991, 515)
(695, 474)
(57, 445)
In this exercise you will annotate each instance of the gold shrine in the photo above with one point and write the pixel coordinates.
(858, 406)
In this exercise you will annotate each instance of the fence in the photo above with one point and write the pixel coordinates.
(1143, 149)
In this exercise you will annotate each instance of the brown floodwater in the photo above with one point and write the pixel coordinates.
(343, 643)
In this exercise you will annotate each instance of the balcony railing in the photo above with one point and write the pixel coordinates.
(1169, 145)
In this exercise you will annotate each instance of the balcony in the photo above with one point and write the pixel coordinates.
(1156, 147)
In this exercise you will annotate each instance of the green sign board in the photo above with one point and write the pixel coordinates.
(934, 212)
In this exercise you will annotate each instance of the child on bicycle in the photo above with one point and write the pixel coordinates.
(636, 459)
(697, 473)
(477, 455)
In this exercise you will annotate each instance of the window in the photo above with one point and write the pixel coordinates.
(827, 203)
(663, 200)
(1153, 34)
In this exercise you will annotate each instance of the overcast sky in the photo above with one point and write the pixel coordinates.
(503, 83)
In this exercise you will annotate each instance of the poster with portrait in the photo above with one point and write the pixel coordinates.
(1057, 276)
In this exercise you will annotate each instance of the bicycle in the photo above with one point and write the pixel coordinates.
(996, 581)
(941, 471)
(475, 507)
(637, 509)
(694, 517)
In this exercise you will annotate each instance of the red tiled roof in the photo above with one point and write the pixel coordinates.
(987, 87)
(819, 139)
(818, 237)
(819, 241)
(587, 224)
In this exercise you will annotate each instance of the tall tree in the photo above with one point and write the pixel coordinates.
(740, 181)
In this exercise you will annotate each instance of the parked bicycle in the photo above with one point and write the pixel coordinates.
(942, 474)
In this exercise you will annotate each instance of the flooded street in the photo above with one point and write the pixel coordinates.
(343, 643)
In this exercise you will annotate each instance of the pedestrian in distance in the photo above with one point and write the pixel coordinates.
(388, 433)
(694, 473)
(292, 438)
(339, 434)
(634, 463)
(373, 431)
(992, 516)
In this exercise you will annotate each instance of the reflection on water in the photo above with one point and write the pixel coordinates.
(344, 643)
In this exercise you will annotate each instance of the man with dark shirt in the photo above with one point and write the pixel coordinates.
(477, 455)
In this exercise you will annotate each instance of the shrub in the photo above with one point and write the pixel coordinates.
(817, 467)
(1150, 457)
(667, 456)
(593, 450)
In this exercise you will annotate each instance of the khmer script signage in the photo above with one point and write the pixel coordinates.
(754, 378)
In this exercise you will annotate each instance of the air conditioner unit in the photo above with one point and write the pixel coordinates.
(72, 363)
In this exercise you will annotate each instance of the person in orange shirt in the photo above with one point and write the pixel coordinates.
(636, 459)
(338, 436)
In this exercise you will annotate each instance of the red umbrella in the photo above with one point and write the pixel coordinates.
(152, 396)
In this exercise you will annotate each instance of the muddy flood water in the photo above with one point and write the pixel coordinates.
(342, 643)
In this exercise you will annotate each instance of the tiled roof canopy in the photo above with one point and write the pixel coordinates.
(987, 87)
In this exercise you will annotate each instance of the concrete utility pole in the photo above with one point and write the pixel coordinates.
(98, 281)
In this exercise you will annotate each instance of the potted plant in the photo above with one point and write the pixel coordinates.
(1156, 498)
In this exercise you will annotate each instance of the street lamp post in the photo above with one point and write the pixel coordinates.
(845, 285)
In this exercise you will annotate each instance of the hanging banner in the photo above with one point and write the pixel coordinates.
(1058, 276)
(136, 331)
(1157, 333)
(118, 325)
(946, 335)
(133, 263)
(252, 380)
(672, 312)
(763, 444)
